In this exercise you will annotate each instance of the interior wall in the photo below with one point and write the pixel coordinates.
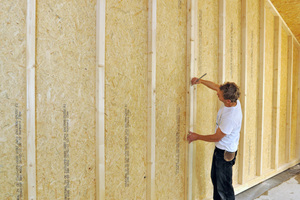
(13, 100)
(125, 99)
(207, 100)
(268, 84)
(171, 89)
(65, 99)
(295, 97)
(233, 51)
(283, 95)
(252, 53)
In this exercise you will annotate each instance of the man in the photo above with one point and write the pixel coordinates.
(226, 137)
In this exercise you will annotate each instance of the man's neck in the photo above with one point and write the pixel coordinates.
(231, 104)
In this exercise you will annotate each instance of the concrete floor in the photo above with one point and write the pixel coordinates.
(284, 186)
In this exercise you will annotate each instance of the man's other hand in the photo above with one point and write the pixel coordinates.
(192, 136)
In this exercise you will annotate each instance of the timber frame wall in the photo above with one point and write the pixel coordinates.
(97, 99)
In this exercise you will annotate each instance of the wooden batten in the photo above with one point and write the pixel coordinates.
(289, 99)
(241, 175)
(30, 65)
(151, 100)
(261, 91)
(191, 95)
(100, 101)
(276, 93)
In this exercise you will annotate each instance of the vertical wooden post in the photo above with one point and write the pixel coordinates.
(100, 100)
(276, 92)
(151, 100)
(30, 66)
(243, 94)
(261, 91)
(289, 99)
(191, 95)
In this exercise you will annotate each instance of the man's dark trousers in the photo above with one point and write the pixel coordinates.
(221, 176)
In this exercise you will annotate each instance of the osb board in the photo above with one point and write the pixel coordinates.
(65, 99)
(126, 99)
(289, 10)
(170, 99)
(268, 84)
(233, 41)
(252, 88)
(233, 51)
(13, 100)
(295, 103)
(206, 111)
(283, 99)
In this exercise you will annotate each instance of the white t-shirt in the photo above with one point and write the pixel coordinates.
(229, 120)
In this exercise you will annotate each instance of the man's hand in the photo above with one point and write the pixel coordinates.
(208, 138)
(194, 81)
(192, 136)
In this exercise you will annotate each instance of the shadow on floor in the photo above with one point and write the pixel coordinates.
(285, 185)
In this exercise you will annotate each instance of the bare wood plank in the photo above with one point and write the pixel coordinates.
(289, 99)
(191, 95)
(151, 100)
(30, 65)
(100, 100)
(241, 171)
(276, 93)
(261, 91)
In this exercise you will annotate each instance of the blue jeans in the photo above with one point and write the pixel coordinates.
(221, 176)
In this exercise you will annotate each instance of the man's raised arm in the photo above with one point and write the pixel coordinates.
(208, 84)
